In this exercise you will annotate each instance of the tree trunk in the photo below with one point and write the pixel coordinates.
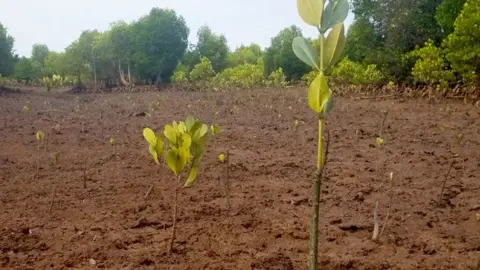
(158, 79)
(122, 76)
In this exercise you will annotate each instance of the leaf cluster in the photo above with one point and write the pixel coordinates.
(179, 144)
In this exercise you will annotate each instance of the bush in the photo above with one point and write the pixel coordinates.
(203, 71)
(430, 66)
(277, 79)
(243, 76)
(181, 74)
(349, 72)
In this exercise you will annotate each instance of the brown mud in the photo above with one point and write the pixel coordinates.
(111, 224)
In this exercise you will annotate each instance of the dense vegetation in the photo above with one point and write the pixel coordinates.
(419, 42)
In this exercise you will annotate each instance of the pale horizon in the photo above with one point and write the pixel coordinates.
(31, 22)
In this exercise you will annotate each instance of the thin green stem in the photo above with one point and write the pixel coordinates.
(313, 264)
(322, 41)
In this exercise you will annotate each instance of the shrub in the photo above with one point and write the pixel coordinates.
(430, 66)
(181, 74)
(203, 71)
(243, 76)
(349, 72)
(277, 79)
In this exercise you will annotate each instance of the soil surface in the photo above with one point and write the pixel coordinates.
(101, 218)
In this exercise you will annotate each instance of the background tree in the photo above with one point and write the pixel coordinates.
(280, 55)
(244, 54)
(6, 52)
(161, 39)
(24, 70)
(393, 28)
(212, 46)
(446, 14)
(463, 45)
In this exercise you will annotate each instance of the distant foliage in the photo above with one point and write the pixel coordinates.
(203, 71)
(181, 74)
(242, 76)
(277, 79)
(349, 72)
(431, 66)
(462, 46)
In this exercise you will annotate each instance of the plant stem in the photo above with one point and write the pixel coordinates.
(313, 264)
(174, 224)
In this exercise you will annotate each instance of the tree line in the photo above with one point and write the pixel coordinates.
(400, 41)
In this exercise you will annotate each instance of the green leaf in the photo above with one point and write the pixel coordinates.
(327, 17)
(149, 136)
(305, 52)
(190, 122)
(191, 176)
(171, 159)
(153, 152)
(159, 148)
(318, 93)
(336, 12)
(334, 45)
(310, 11)
(170, 133)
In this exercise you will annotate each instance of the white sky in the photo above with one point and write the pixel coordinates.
(57, 23)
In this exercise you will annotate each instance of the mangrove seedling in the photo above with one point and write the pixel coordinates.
(181, 145)
(320, 97)
(39, 136)
(226, 176)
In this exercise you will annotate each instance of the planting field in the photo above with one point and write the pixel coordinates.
(110, 222)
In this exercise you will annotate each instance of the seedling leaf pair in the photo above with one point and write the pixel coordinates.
(320, 97)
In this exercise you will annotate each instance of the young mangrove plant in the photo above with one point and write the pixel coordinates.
(224, 160)
(40, 136)
(320, 97)
(181, 145)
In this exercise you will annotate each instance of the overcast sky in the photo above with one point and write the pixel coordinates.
(57, 23)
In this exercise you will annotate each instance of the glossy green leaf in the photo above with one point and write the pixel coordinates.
(327, 17)
(334, 45)
(305, 51)
(190, 122)
(149, 136)
(160, 146)
(153, 152)
(172, 159)
(336, 12)
(191, 176)
(181, 127)
(318, 93)
(310, 11)
(170, 133)
(186, 141)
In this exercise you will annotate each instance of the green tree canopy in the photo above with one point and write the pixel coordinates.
(6, 52)
(281, 55)
(212, 46)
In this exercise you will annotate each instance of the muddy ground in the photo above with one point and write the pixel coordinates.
(110, 223)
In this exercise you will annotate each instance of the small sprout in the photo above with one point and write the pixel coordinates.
(379, 141)
(477, 216)
(295, 125)
(27, 106)
(465, 100)
(221, 157)
(40, 135)
(215, 129)
(391, 177)
(148, 115)
(112, 140)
